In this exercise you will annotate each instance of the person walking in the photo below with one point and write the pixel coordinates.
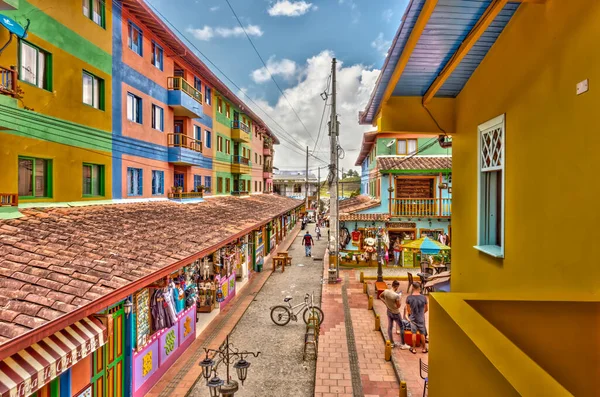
(417, 306)
(392, 299)
(307, 242)
(318, 232)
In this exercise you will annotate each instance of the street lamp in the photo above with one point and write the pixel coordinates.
(379, 257)
(226, 355)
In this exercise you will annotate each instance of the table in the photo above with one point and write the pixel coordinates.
(439, 268)
(283, 260)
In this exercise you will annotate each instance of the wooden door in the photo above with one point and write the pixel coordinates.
(115, 355)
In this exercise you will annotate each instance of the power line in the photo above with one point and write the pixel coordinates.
(324, 109)
(268, 71)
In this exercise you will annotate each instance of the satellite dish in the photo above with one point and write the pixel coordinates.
(391, 143)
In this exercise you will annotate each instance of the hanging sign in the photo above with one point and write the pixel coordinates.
(142, 312)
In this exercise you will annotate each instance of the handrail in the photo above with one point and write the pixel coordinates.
(9, 199)
(237, 124)
(240, 160)
(8, 82)
(187, 195)
(182, 140)
(439, 207)
(179, 83)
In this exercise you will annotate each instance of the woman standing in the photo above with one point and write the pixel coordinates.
(397, 250)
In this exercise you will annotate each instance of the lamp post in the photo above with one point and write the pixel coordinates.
(379, 257)
(225, 355)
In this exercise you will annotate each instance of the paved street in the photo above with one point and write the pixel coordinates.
(279, 371)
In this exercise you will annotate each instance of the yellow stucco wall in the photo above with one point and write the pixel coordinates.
(552, 214)
(406, 114)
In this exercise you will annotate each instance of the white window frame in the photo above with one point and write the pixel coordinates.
(158, 118)
(492, 250)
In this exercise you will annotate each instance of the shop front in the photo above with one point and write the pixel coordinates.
(259, 249)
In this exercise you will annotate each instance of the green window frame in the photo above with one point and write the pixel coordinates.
(93, 180)
(94, 95)
(44, 178)
(95, 10)
(41, 79)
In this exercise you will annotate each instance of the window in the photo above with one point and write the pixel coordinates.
(256, 158)
(219, 105)
(93, 180)
(207, 184)
(94, 10)
(227, 146)
(219, 184)
(93, 91)
(198, 84)
(219, 143)
(158, 182)
(35, 177)
(198, 133)
(207, 95)
(35, 67)
(297, 188)
(134, 108)
(227, 185)
(197, 182)
(260, 186)
(134, 182)
(207, 138)
(158, 117)
(134, 38)
(256, 186)
(227, 110)
(490, 214)
(179, 179)
(157, 56)
(404, 146)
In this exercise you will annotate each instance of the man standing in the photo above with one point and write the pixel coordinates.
(391, 298)
(307, 242)
(417, 306)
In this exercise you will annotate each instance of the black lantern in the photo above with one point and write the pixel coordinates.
(207, 365)
(242, 369)
(214, 385)
(127, 307)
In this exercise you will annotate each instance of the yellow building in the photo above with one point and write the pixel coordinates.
(56, 102)
(514, 84)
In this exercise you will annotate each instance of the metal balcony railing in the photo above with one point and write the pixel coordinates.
(8, 82)
(9, 199)
(178, 83)
(237, 124)
(240, 160)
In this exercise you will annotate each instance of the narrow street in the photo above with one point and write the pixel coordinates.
(279, 370)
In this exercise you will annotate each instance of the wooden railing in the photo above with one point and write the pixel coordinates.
(182, 140)
(8, 82)
(240, 160)
(178, 83)
(187, 195)
(237, 124)
(239, 193)
(9, 199)
(424, 207)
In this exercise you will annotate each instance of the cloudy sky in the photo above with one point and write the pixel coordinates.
(296, 39)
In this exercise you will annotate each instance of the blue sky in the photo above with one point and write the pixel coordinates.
(358, 32)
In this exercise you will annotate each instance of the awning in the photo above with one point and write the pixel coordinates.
(28, 370)
(13, 26)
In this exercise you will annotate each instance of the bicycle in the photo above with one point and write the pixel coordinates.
(281, 315)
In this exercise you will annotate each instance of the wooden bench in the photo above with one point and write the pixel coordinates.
(283, 261)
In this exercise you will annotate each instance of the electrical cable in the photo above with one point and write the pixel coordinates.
(326, 91)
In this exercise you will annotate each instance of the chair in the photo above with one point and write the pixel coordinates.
(424, 368)
(428, 270)
(410, 281)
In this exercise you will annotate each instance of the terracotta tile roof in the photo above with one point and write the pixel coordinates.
(365, 217)
(357, 203)
(55, 260)
(414, 163)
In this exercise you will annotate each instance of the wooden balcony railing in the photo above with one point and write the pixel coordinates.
(239, 193)
(237, 124)
(181, 140)
(424, 207)
(8, 82)
(9, 199)
(187, 195)
(240, 160)
(178, 83)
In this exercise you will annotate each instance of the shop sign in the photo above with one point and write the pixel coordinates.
(401, 225)
(168, 343)
(142, 313)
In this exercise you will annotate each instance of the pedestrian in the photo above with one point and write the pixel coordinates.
(308, 242)
(397, 250)
(303, 224)
(318, 232)
(417, 306)
(392, 299)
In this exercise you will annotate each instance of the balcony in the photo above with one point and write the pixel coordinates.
(9, 199)
(183, 150)
(185, 100)
(267, 151)
(8, 81)
(185, 196)
(424, 208)
(268, 173)
(239, 193)
(240, 165)
(240, 132)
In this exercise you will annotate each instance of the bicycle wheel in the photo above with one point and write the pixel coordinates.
(280, 315)
(317, 310)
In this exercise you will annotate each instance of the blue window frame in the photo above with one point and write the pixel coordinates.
(207, 184)
(135, 182)
(134, 39)
(197, 182)
(134, 108)
(157, 56)
(179, 178)
(158, 182)
(198, 84)
(207, 95)
(158, 118)
(198, 133)
(207, 139)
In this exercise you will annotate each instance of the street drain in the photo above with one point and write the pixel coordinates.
(317, 259)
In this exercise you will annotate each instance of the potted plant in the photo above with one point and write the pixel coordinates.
(178, 189)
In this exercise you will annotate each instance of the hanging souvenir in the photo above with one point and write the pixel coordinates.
(220, 295)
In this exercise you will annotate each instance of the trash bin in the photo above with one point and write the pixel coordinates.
(259, 267)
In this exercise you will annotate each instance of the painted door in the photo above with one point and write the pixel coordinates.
(179, 179)
(115, 354)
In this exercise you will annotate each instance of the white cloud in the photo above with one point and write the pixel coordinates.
(354, 85)
(387, 15)
(382, 46)
(289, 8)
(213, 9)
(285, 68)
(207, 32)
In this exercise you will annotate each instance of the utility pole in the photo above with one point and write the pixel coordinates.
(318, 192)
(306, 180)
(333, 176)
